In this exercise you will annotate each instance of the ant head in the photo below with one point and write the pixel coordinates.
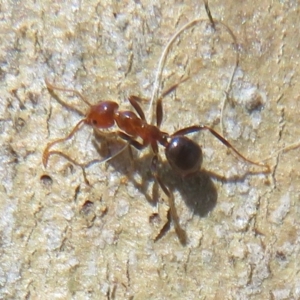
(184, 155)
(102, 114)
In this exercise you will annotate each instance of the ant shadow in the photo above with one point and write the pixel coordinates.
(197, 191)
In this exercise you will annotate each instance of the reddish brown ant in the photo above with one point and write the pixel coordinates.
(183, 154)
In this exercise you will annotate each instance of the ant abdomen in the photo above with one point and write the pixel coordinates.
(184, 155)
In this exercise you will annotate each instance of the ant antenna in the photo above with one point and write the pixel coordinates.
(52, 87)
(166, 50)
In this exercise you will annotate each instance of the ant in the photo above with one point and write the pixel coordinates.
(183, 154)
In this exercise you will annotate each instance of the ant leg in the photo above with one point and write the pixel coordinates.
(133, 101)
(197, 128)
(159, 111)
(179, 231)
(108, 138)
(88, 164)
(162, 61)
(131, 141)
(283, 150)
(47, 153)
(159, 108)
(53, 87)
(209, 13)
(167, 48)
(82, 166)
(172, 88)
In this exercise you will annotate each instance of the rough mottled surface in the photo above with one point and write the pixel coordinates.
(64, 239)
